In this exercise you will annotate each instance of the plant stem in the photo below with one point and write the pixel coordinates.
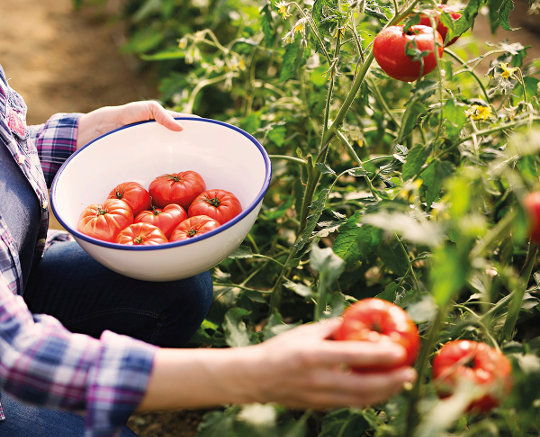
(517, 299)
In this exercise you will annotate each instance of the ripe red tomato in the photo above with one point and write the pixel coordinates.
(531, 204)
(144, 234)
(221, 205)
(165, 219)
(180, 188)
(134, 194)
(474, 362)
(390, 51)
(105, 221)
(193, 226)
(375, 320)
(452, 10)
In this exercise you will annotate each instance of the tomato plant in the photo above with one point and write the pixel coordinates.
(143, 234)
(407, 54)
(219, 204)
(104, 221)
(465, 361)
(164, 218)
(377, 320)
(180, 188)
(134, 194)
(193, 226)
(453, 11)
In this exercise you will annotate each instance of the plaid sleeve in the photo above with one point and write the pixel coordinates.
(44, 364)
(55, 140)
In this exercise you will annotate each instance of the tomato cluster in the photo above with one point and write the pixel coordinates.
(377, 320)
(474, 363)
(407, 54)
(175, 207)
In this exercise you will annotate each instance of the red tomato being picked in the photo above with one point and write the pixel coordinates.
(390, 51)
(477, 363)
(221, 205)
(143, 234)
(134, 194)
(452, 10)
(105, 221)
(180, 188)
(531, 203)
(165, 219)
(192, 227)
(375, 320)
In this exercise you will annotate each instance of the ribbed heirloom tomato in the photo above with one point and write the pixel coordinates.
(472, 362)
(180, 188)
(134, 194)
(392, 43)
(143, 234)
(221, 205)
(192, 227)
(104, 221)
(452, 10)
(164, 218)
(375, 320)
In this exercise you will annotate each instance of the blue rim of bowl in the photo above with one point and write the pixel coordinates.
(230, 223)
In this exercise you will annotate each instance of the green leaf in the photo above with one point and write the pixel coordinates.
(292, 59)
(316, 209)
(455, 117)
(267, 24)
(277, 135)
(469, 14)
(356, 242)
(415, 160)
(499, 13)
(448, 274)
(433, 177)
(218, 424)
(236, 330)
(326, 15)
(344, 423)
(327, 263)
(394, 257)
(300, 289)
(241, 252)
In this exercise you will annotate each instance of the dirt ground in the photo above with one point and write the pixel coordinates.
(66, 61)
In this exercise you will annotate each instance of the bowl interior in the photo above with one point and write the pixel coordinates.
(225, 156)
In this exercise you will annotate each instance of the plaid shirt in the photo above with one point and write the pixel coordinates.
(40, 361)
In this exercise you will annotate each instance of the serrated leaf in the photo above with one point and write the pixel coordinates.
(292, 59)
(455, 117)
(236, 330)
(433, 176)
(414, 162)
(316, 209)
(448, 274)
(499, 14)
(300, 289)
(324, 168)
(354, 242)
(327, 263)
(412, 114)
(344, 423)
(241, 253)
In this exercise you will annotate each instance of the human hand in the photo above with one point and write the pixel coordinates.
(108, 118)
(303, 368)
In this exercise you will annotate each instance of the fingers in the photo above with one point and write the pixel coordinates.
(163, 117)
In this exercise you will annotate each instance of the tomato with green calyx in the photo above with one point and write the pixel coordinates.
(377, 320)
(193, 226)
(407, 55)
(104, 221)
(452, 10)
(221, 205)
(531, 203)
(141, 234)
(180, 188)
(134, 194)
(467, 361)
(164, 218)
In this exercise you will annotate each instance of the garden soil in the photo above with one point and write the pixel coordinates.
(62, 60)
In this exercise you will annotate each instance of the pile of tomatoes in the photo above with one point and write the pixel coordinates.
(176, 206)
(408, 53)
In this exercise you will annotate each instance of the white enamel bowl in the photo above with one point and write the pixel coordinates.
(224, 155)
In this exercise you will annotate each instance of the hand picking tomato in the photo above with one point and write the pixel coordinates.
(180, 188)
(221, 205)
(476, 363)
(192, 227)
(165, 219)
(105, 221)
(143, 234)
(375, 320)
(390, 50)
(134, 194)
(452, 10)
(531, 204)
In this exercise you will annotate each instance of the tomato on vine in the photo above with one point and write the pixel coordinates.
(375, 320)
(452, 10)
(407, 54)
(477, 363)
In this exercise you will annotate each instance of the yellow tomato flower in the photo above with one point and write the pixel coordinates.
(506, 70)
(283, 9)
(479, 112)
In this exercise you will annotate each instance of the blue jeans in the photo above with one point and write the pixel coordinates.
(89, 298)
